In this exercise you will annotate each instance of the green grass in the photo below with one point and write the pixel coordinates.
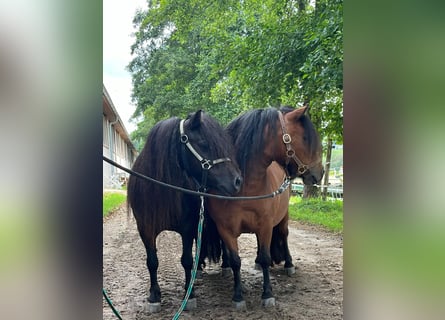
(328, 214)
(111, 201)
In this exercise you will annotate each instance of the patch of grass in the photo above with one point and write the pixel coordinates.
(328, 214)
(111, 201)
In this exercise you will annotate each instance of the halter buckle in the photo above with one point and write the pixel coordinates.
(286, 138)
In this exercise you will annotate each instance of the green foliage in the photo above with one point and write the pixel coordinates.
(328, 214)
(112, 201)
(229, 56)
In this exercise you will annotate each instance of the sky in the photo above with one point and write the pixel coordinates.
(117, 39)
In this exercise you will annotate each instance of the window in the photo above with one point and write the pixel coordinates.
(105, 131)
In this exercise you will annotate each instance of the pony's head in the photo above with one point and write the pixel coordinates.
(301, 146)
(208, 155)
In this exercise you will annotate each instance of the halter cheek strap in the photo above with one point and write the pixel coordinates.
(290, 152)
(206, 164)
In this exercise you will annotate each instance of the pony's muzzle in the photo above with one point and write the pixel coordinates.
(313, 176)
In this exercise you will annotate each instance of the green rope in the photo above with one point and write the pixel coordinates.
(195, 262)
(111, 304)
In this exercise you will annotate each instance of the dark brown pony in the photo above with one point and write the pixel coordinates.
(167, 156)
(270, 145)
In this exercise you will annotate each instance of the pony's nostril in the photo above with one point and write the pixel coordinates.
(238, 182)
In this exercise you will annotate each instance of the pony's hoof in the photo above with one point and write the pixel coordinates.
(269, 302)
(191, 304)
(258, 267)
(198, 274)
(226, 272)
(240, 305)
(153, 307)
(290, 271)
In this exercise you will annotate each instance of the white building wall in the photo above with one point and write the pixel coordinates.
(120, 155)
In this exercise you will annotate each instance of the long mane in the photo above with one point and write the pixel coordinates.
(159, 159)
(247, 132)
(219, 144)
(249, 135)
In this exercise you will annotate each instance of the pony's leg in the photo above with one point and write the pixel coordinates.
(237, 298)
(154, 299)
(284, 232)
(265, 261)
(226, 271)
(225, 256)
(187, 264)
(257, 259)
(231, 244)
(201, 266)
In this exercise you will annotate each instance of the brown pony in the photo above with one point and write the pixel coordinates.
(270, 145)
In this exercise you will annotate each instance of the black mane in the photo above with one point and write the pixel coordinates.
(247, 133)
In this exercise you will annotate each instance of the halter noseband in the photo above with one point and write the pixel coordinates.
(290, 152)
(206, 164)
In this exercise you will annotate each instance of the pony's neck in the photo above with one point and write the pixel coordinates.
(256, 171)
(256, 174)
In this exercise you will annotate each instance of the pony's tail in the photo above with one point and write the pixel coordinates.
(130, 190)
(129, 210)
(211, 241)
(277, 247)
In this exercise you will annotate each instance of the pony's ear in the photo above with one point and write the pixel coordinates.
(297, 113)
(195, 120)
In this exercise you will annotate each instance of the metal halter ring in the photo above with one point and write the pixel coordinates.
(302, 169)
(286, 138)
(184, 138)
(206, 164)
(290, 153)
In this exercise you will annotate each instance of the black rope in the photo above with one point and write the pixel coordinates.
(280, 190)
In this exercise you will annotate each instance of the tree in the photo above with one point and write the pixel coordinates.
(230, 56)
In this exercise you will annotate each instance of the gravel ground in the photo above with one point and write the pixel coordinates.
(315, 291)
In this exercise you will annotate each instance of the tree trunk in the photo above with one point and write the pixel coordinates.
(326, 169)
(302, 5)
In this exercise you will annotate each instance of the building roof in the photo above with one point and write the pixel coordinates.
(109, 110)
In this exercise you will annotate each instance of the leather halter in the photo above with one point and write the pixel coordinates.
(290, 152)
(206, 164)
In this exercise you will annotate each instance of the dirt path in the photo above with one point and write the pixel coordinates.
(314, 292)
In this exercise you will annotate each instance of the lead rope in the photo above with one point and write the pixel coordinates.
(111, 304)
(195, 262)
(280, 190)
